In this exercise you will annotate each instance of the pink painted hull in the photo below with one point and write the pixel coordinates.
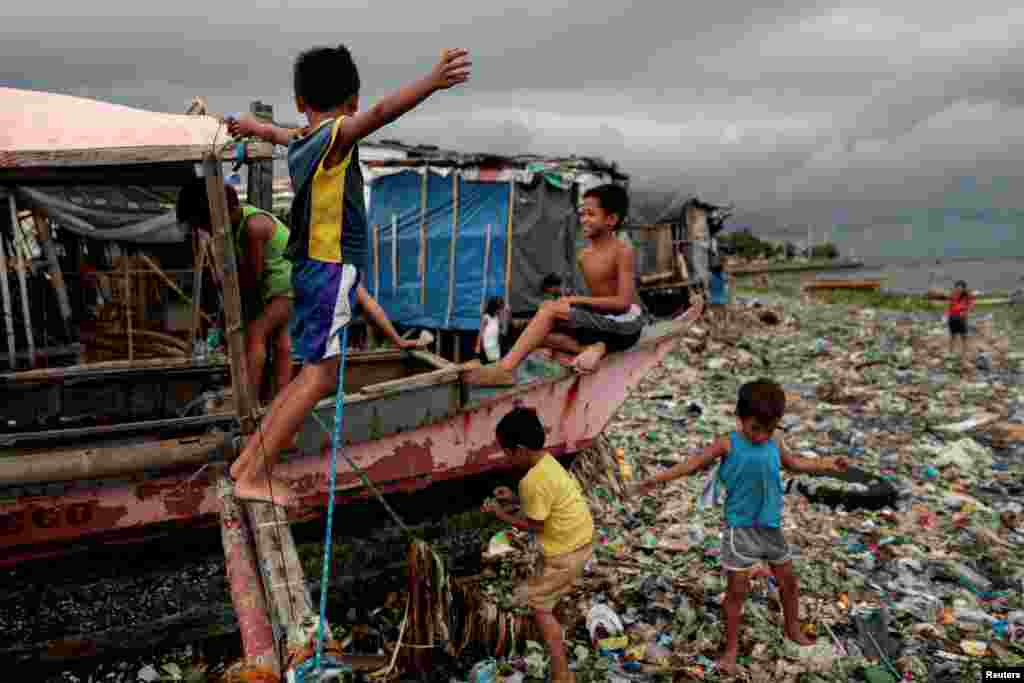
(574, 409)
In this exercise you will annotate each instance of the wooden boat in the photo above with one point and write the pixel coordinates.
(860, 285)
(408, 422)
(113, 450)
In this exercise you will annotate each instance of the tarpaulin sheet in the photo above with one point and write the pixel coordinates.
(395, 199)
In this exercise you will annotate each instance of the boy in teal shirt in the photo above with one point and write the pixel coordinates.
(750, 467)
(328, 239)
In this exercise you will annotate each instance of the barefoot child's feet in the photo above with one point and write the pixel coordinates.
(589, 358)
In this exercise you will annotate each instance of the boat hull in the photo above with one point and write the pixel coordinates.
(444, 439)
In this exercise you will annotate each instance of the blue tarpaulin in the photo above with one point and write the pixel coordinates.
(396, 199)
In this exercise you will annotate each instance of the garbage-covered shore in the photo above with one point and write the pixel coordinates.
(910, 568)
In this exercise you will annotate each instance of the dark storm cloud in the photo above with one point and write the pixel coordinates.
(797, 113)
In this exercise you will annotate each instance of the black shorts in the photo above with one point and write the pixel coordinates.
(957, 325)
(588, 326)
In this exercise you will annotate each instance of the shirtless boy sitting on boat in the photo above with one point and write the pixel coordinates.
(591, 326)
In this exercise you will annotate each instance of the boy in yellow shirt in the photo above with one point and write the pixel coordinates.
(555, 509)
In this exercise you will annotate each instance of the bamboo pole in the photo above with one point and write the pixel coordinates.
(394, 253)
(197, 291)
(451, 249)
(56, 276)
(423, 236)
(26, 314)
(258, 642)
(224, 256)
(376, 261)
(128, 307)
(172, 284)
(8, 315)
(508, 241)
(487, 268)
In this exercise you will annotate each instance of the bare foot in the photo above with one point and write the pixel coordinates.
(798, 637)
(588, 359)
(274, 491)
(727, 663)
(490, 376)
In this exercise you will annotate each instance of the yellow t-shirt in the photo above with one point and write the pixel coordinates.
(551, 495)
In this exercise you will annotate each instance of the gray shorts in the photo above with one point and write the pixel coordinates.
(744, 547)
(590, 326)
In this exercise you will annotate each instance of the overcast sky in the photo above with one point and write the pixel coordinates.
(812, 112)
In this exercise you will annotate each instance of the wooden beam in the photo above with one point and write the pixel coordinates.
(261, 172)
(508, 242)
(199, 263)
(20, 255)
(451, 249)
(8, 314)
(423, 235)
(119, 156)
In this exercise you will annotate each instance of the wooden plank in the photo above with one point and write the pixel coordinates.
(96, 463)
(119, 156)
(425, 379)
(26, 314)
(260, 184)
(451, 249)
(423, 236)
(6, 292)
(508, 241)
(430, 359)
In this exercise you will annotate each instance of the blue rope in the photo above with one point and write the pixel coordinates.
(339, 411)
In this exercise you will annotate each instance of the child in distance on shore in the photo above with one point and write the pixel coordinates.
(751, 462)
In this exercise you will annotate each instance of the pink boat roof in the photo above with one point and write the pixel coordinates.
(40, 128)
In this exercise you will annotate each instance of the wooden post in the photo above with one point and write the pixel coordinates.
(56, 276)
(26, 314)
(8, 315)
(423, 236)
(394, 253)
(508, 241)
(487, 268)
(261, 173)
(283, 579)
(451, 249)
(126, 267)
(224, 255)
(376, 261)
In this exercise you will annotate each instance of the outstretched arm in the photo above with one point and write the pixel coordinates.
(451, 70)
(380, 319)
(796, 463)
(625, 286)
(246, 126)
(707, 457)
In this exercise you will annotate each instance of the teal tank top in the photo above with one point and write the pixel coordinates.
(752, 476)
